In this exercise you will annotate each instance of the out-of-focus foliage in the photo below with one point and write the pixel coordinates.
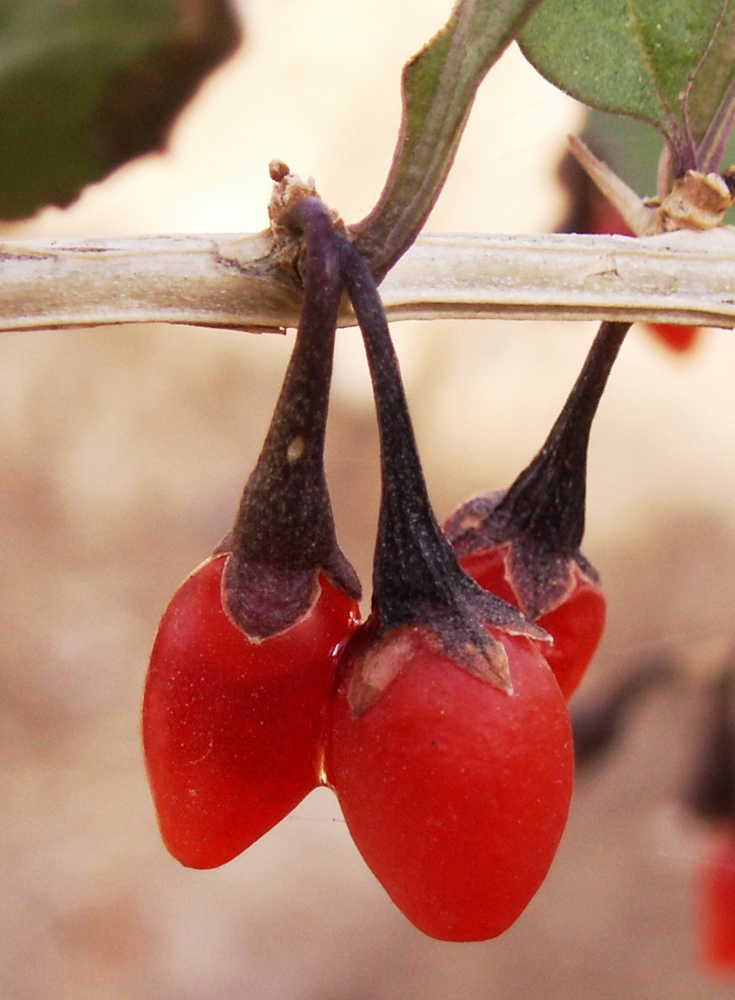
(86, 86)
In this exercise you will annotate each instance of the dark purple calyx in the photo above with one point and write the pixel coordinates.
(541, 516)
(284, 534)
(417, 579)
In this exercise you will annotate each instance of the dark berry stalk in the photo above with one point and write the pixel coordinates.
(417, 578)
(597, 724)
(547, 500)
(543, 513)
(284, 532)
(711, 794)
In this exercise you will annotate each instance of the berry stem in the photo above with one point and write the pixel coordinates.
(547, 501)
(597, 723)
(284, 530)
(541, 516)
(417, 578)
(712, 792)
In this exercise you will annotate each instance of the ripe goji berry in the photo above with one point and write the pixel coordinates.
(243, 660)
(449, 745)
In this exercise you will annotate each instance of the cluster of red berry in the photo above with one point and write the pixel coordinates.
(440, 721)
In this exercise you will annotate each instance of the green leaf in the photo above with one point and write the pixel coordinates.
(711, 101)
(85, 86)
(439, 86)
(668, 62)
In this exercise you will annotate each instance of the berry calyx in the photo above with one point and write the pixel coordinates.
(244, 658)
(449, 743)
(524, 542)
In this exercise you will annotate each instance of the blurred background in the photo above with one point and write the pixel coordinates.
(122, 457)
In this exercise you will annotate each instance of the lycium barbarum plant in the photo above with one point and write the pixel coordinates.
(243, 661)
(523, 543)
(439, 722)
(449, 743)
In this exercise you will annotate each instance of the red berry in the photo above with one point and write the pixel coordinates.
(679, 339)
(456, 792)
(243, 661)
(232, 728)
(717, 903)
(523, 543)
(576, 624)
(449, 744)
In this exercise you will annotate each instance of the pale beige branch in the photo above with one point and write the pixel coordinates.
(240, 282)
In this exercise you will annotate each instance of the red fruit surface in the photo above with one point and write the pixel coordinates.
(679, 339)
(576, 625)
(231, 728)
(456, 793)
(717, 903)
